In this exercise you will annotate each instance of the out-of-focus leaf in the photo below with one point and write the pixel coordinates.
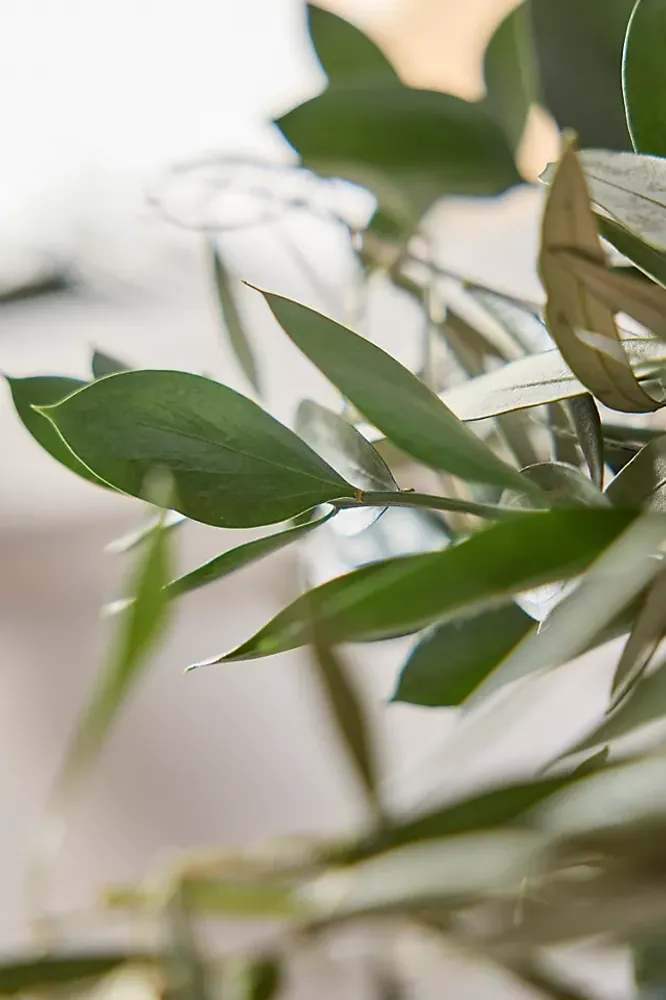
(644, 77)
(614, 579)
(519, 320)
(646, 703)
(187, 977)
(232, 464)
(403, 595)
(49, 285)
(587, 424)
(133, 539)
(649, 961)
(233, 321)
(562, 485)
(262, 979)
(647, 633)
(216, 898)
(629, 187)
(562, 434)
(586, 38)
(343, 447)
(548, 985)
(105, 364)
(510, 73)
(348, 713)
(137, 632)
(389, 396)
(43, 390)
(644, 256)
(642, 482)
(539, 379)
(632, 294)
(451, 660)
(32, 975)
(582, 327)
(409, 147)
(243, 555)
(348, 57)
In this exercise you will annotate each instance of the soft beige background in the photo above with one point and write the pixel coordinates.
(103, 96)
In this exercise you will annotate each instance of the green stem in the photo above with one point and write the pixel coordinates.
(493, 512)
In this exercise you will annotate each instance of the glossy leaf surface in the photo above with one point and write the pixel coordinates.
(104, 364)
(644, 77)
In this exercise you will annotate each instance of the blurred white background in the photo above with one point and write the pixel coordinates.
(98, 98)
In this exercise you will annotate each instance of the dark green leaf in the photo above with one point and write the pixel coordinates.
(43, 390)
(347, 55)
(587, 424)
(644, 77)
(642, 482)
(536, 380)
(403, 595)
(232, 464)
(389, 396)
(104, 364)
(409, 147)
(233, 321)
(646, 257)
(648, 631)
(263, 979)
(48, 285)
(450, 661)
(649, 960)
(138, 630)
(572, 311)
(233, 559)
(586, 37)
(510, 73)
(40, 973)
(347, 711)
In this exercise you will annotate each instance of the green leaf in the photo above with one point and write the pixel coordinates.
(343, 447)
(582, 327)
(644, 256)
(624, 292)
(537, 380)
(642, 481)
(234, 559)
(215, 898)
(409, 147)
(31, 975)
(519, 321)
(347, 56)
(133, 539)
(43, 390)
(389, 396)
(648, 631)
(586, 37)
(630, 188)
(263, 979)
(187, 975)
(510, 73)
(450, 661)
(232, 464)
(563, 486)
(233, 321)
(644, 77)
(614, 579)
(137, 632)
(105, 364)
(403, 595)
(587, 424)
(646, 703)
(347, 712)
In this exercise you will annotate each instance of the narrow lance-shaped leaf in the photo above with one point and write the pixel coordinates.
(262, 979)
(344, 448)
(641, 254)
(243, 555)
(510, 73)
(583, 329)
(233, 321)
(403, 595)
(104, 364)
(450, 661)
(644, 77)
(44, 390)
(587, 424)
(648, 631)
(389, 396)
(32, 975)
(610, 585)
(347, 712)
(642, 481)
(632, 294)
(187, 975)
(346, 54)
(232, 464)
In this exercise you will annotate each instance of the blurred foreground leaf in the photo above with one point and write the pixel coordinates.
(347, 56)
(65, 971)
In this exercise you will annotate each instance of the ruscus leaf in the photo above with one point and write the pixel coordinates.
(232, 464)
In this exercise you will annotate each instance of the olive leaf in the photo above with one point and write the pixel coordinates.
(582, 327)
(646, 634)
(641, 254)
(587, 425)
(232, 464)
(642, 481)
(644, 77)
(510, 73)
